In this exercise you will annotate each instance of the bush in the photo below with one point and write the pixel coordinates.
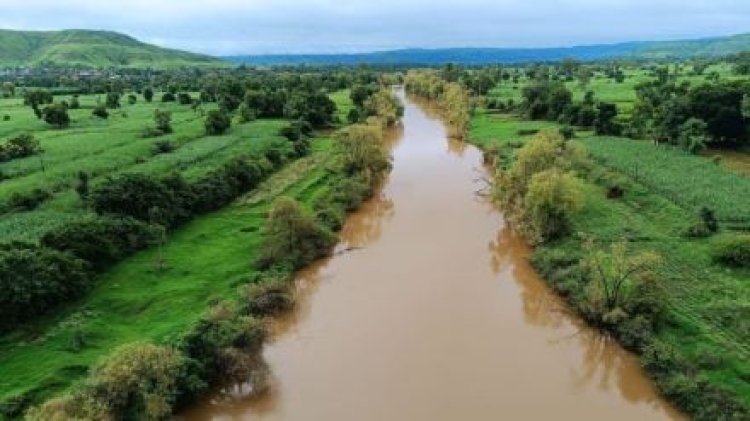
(217, 122)
(20, 146)
(35, 280)
(100, 111)
(267, 298)
(101, 241)
(207, 341)
(184, 98)
(29, 200)
(168, 97)
(137, 381)
(552, 198)
(136, 195)
(163, 146)
(292, 238)
(734, 251)
(56, 115)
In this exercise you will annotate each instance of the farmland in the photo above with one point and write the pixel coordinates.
(663, 190)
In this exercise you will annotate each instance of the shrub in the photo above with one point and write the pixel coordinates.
(292, 238)
(56, 115)
(100, 111)
(552, 198)
(163, 121)
(168, 97)
(267, 298)
(135, 195)
(163, 146)
(734, 251)
(209, 339)
(29, 200)
(137, 381)
(101, 241)
(217, 122)
(184, 98)
(112, 100)
(35, 280)
(20, 146)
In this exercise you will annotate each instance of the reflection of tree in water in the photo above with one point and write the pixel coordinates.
(604, 362)
(610, 367)
(365, 226)
(541, 307)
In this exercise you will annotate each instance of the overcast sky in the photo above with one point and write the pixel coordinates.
(304, 26)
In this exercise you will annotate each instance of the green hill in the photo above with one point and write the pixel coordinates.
(91, 49)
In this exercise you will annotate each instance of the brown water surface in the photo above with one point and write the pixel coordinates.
(436, 315)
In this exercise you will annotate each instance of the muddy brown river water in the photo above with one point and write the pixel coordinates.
(430, 311)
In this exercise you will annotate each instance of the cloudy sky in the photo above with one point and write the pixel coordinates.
(304, 26)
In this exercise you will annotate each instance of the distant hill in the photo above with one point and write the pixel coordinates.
(708, 47)
(91, 49)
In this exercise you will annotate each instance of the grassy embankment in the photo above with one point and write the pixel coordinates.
(207, 259)
(708, 311)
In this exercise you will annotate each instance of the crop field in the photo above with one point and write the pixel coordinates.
(688, 180)
(107, 147)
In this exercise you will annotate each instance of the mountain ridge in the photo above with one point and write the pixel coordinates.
(673, 49)
(91, 48)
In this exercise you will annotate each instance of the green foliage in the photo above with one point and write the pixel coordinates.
(19, 146)
(292, 238)
(693, 137)
(545, 100)
(361, 150)
(552, 198)
(100, 111)
(163, 121)
(734, 251)
(148, 94)
(537, 191)
(56, 115)
(112, 100)
(101, 241)
(217, 122)
(35, 280)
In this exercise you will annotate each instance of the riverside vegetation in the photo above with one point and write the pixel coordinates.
(600, 167)
(117, 242)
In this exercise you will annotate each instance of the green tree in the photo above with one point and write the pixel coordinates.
(693, 137)
(553, 197)
(217, 122)
(291, 237)
(617, 276)
(112, 100)
(56, 115)
(163, 121)
(8, 89)
(148, 94)
(100, 111)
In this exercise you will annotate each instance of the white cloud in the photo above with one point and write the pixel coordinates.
(257, 26)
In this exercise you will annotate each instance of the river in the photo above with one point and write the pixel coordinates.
(430, 311)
